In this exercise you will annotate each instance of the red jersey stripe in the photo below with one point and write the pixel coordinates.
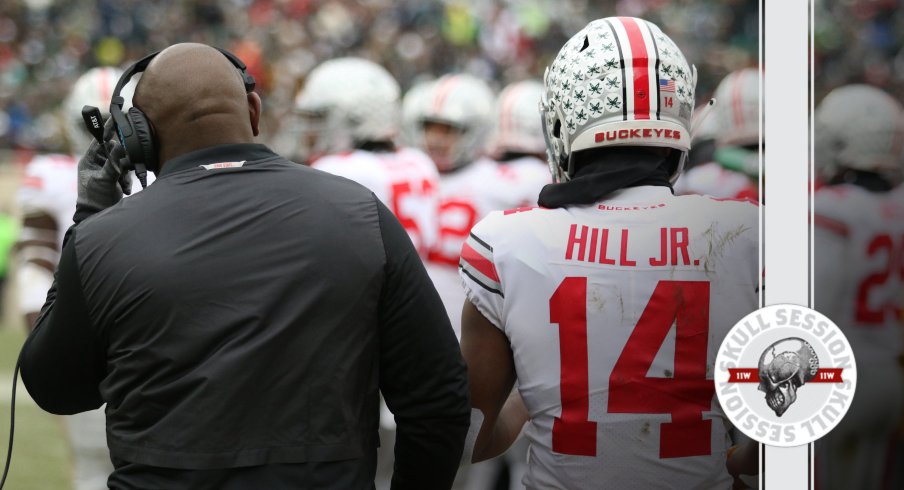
(478, 262)
(830, 224)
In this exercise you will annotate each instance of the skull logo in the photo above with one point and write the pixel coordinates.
(784, 367)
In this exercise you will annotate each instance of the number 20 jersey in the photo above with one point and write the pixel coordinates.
(859, 261)
(615, 313)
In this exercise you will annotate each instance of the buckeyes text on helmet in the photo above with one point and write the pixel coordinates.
(346, 102)
(859, 127)
(620, 81)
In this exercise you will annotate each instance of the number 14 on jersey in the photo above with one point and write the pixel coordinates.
(685, 396)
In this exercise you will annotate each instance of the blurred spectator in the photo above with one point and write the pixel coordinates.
(46, 44)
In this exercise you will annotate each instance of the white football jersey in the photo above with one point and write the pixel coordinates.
(615, 313)
(859, 245)
(711, 179)
(472, 192)
(50, 186)
(405, 180)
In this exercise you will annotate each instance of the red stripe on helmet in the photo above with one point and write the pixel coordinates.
(737, 99)
(640, 68)
(105, 85)
(507, 124)
(442, 91)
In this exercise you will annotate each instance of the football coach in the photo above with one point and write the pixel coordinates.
(241, 316)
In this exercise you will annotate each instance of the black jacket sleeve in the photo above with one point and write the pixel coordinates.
(422, 374)
(62, 360)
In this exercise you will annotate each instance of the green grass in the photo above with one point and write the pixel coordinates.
(40, 453)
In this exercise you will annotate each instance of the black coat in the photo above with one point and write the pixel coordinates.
(239, 318)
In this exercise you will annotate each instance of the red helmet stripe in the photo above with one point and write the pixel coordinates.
(508, 104)
(737, 95)
(442, 91)
(105, 86)
(640, 62)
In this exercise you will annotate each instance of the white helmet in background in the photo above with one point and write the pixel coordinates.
(413, 106)
(518, 129)
(737, 110)
(94, 88)
(605, 88)
(345, 102)
(462, 103)
(859, 127)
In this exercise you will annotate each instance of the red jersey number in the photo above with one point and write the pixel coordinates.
(457, 234)
(686, 395)
(400, 192)
(884, 246)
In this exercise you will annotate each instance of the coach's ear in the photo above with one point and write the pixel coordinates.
(254, 112)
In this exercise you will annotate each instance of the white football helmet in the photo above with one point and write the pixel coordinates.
(412, 108)
(737, 112)
(345, 102)
(859, 127)
(618, 82)
(460, 101)
(95, 88)
(518, 129)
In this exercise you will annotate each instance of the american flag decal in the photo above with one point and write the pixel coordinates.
(666, 85)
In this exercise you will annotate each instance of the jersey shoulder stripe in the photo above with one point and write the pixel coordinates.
(477, 263)
(830, 224)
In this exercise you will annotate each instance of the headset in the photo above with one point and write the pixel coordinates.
(135, 132)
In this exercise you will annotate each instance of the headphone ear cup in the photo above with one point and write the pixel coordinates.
(145, 148)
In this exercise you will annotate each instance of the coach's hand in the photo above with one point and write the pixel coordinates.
(102, 175)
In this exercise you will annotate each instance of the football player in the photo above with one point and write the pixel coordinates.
(732, 169)
(46, 200)
(351, 112)
(452, 120)
(608, 304)
(858, 251)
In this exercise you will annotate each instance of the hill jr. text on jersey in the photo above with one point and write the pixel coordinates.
(613, 247)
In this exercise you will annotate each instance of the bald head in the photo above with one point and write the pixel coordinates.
(194, 98)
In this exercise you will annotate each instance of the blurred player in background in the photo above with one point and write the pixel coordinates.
(351, 117)
(730, 138)
(350, 111)
(608, 306)
(47, 203)
(518, 136)
(859, 237)
(452, 119)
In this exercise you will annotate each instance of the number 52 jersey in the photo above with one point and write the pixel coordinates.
(615, 313)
